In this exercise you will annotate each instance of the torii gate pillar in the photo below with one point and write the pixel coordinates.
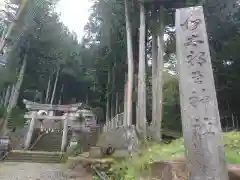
(64, 134)
(30, 131)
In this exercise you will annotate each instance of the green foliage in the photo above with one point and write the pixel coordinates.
(74, 150)
(17, 117)
(51, 47)
(131, 169)
(171, 106)
(84, 67)
(232, 141)
(2, 112)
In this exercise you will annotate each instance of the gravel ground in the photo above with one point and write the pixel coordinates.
(32, 171)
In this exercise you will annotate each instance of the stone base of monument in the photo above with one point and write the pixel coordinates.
(234, 171)
(177, 170)
(119, 139)
(95, 152)
(86, 161)
(86, 139)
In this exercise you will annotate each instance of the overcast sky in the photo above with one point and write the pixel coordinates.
(74, 14)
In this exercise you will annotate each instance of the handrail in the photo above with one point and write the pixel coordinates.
(37, 140)
(4, 156)
(116, 116)
(108, 126)
(115, 122)
(5, 153)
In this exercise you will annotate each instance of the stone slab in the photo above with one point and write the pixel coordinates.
(95, 152)
(117, 138)
(171, 170)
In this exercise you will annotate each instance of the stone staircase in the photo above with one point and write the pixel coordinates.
(45, 150)
(10, 124)
(34, 156)
(49, 142)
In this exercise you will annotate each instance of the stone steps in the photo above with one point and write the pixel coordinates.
(34, 157)
(10, 123)
(50, 142)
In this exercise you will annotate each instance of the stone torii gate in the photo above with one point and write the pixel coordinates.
(69, 113)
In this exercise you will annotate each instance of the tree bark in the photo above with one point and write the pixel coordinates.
(13, 100)
(130, 66)
(117, 106)
(11, 97)
(13, 24)
(48, 90)
(3, 34)
(7, 96)
(19, 82)
(160, 67)
(1, 101)
(154, 77)
(141, 105)
(108, 97)
(55, 86)
(113, 108)
(125, 102)
(60, 98)
(87, 98)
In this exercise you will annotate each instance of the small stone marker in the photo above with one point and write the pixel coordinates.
(95, 152)
(4, 145)
(199, 107)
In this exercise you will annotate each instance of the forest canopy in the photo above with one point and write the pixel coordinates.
(46, 63)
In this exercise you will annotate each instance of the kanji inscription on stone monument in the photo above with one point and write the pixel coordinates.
(199, 107)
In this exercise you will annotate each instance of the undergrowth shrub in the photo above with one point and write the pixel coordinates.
(74, 150)
(131, 169)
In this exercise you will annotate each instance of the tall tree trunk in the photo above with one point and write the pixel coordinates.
(19, 82)
(3, 33)
(7, 96)
(116, 105)
(113, 108)
(134, 102)
(130, 66)
(61, 93)
(108, 96)
(13, 24)
(41, 99)
(14, 98)
(125, 102)
(48, 90)
(55, 86)
(160, 67)
(87, 98)
(141, 105)
(154, 77)
(11, 97)
(2, 101)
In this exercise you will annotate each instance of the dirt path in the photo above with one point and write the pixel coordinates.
(32, 171)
